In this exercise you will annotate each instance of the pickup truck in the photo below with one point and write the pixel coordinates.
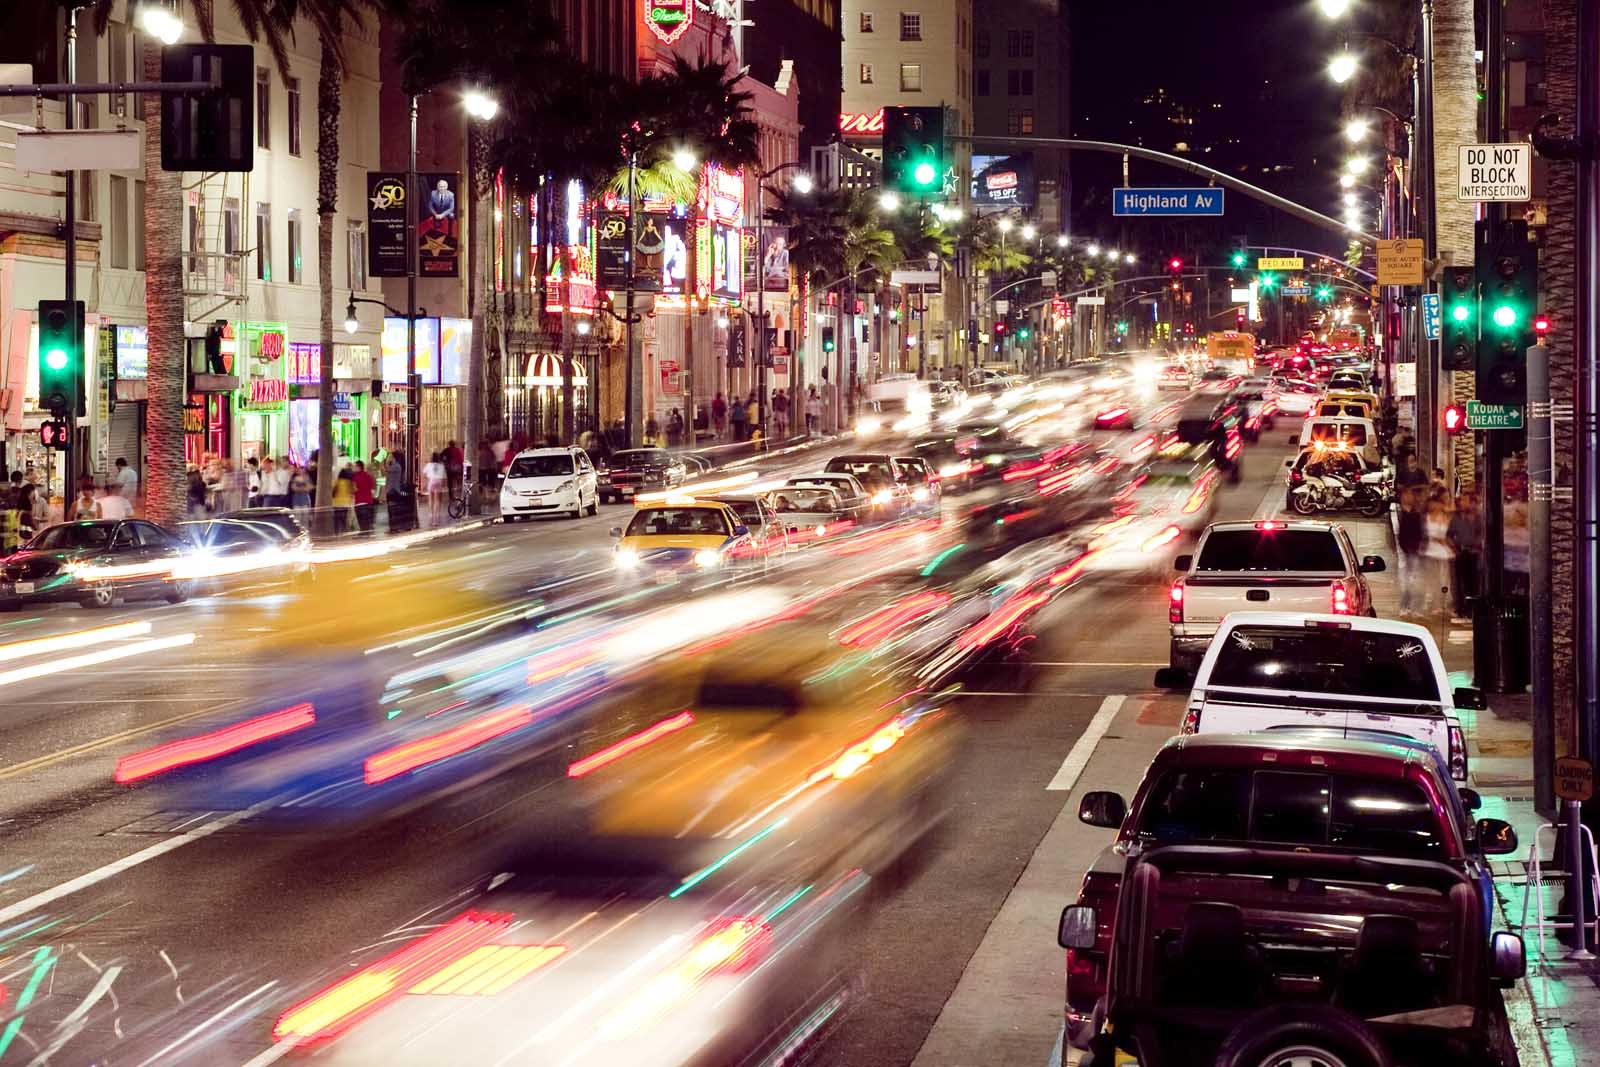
(1261, 565)
(1255, 789)
(1265, 671)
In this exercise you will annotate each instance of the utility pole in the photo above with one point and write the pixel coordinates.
(69, 488)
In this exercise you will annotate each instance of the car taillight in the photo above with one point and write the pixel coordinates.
(1458, 753)
(1175, 602)
(1341, 599)
(1191, 721)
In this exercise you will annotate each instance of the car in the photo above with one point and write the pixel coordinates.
(1357, 434)
(94, 562)
(1176, 488)
(922, 480)
(1217, 422)
(282, 523)
(1371, 486)
(881, 476)
(1258, 401)
(234, 537)
(1295, 396)
(683, 534)
(1264, 565)
(853, 496)
(1175, 376)
(636, 470)
(1266, 670)
(811, 512)
(768, 535)
(1240, 789)
(1342, 409)
(545, 481)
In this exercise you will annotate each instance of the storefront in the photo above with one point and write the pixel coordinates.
(533, 398)
(259, 352)
(352, 409)
(125, 431)
(443, 346)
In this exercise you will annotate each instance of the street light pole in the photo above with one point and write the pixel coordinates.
(634, 387)
(413, 379)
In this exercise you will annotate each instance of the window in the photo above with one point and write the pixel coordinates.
(1013, 44)
(296, 273)
(138, 225)
(119, 222)
(866, 74)
(293, 87)
(263, 107)
(983, 83)
(1272, 550)
(197, 239)
(910, 26)
(1019, 83)
(911, 77)
(1026, 122)
(356, 241)
(1013, 121)
(980, 43)
(1326, 661)
(232, 225)
(1027, 44)
(117, 47)
(866, 22)
(264, 242)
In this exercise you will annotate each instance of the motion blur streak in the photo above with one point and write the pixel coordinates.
(1020, 473)
(339, 1007)
(880, 624)
(868, 542)
(43, 960)
(408, 757)
(1072, 570)
(858, 756)
(1001, 621)
(631, 743)
(728, 857)
(77, 639)
(1162, 539)
(89, 659)
(728, 946)
(211, 745)
(691, 489)
(488, 970)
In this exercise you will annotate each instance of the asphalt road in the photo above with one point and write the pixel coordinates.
(215, 920)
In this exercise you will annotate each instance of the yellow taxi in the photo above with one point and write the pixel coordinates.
(681, 533)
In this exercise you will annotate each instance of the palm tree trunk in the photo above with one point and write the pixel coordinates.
(329, 78)
(1558, 281)
(1455, 116)
(166, 490)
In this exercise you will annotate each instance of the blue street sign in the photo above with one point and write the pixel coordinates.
(1431, 314)
(1144, 201)
(1295, 290)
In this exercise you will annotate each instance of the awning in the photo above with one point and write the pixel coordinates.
(544, 368)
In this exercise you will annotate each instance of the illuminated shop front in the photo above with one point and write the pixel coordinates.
(443, 347)
(353, 409)
(257, 352)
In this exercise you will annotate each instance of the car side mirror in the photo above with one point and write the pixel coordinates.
(1182, 563)
(1470, 798)
(1508, 960)
(1288, 464)
(1171, 678)
(741, 530)
(1373, 564)
(1080, 927)
(1496, 837)
(616, 531)
(793, 529)
(1101, 807)
(1470, 699)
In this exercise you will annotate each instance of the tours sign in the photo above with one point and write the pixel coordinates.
(669, 19)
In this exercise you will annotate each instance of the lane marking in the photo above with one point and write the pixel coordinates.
(1078, 758)
(89, 659)
(111, 739)
(75, 639)
(127, 863)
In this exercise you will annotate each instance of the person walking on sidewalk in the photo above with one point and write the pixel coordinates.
(719, 414)
(813, 410)
(780, 415)
(434, 481)
(343, 499)
(736, 420)
(1436, 553)
(1409, 539)
(365, 489)
(1465, 535)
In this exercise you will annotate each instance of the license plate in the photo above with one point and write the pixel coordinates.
(23, 587)
(627, 491)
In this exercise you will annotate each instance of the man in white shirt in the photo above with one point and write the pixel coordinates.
(275, 483)
(127, 480)
(113, 505)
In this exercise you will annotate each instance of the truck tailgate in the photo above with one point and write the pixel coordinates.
(1241, 713)
(1210, 596)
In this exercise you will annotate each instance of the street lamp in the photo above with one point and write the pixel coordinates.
(1129, 257)
(1093, 250)
(1342, 67)
(480, 105)
(1004, 225)
(161, 22)
(684, 160)
(801, 183)
(1029, 232)
(1350, 199)
(1357, 164)
(889, 202)
(1356, 130)
(1062, 240)
(1333, 8)
(1347, 181)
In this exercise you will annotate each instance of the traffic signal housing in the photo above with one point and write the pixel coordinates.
(913, 150)
(829, 342)
(1175, 265)
(1458, 332)
(61, 358)
(1240, 258)
(1000, 327)
(1508, 283)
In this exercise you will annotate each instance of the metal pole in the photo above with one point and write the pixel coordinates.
(1492, 671)
(413, 379)
(1541, 460)
(762, 355)
(70, 240)
(1586, 335)
(1427, 351)
(632, 389)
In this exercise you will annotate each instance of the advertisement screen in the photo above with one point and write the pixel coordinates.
(133, 352)
(727, 255)
(1004, 181)
(394, 351)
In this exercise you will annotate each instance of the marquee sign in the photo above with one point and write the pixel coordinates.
(669, 19)
(867, 122)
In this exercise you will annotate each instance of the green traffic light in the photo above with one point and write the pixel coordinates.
(1268, 281)
(56, 359)
(1238, 259)
(924, 174)
(1461, 313)
(1505, 315)
(1023, 333)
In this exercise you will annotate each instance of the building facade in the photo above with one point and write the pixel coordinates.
(1021, 87)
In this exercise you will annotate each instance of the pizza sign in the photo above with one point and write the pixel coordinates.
(669, 19)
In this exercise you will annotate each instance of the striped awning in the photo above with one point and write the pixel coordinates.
(544, 368)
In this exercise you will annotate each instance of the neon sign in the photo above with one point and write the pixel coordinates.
(865, 122)
(669, 19)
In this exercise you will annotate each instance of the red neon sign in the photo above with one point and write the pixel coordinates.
(669, 19)
(865, 122)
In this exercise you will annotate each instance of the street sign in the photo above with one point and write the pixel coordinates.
(1481, 416)
(1431, 315)
(1496, 172)
(1281, 263)
(1047, 281)
(1574, 778)
(1092, 301)
(1400, 261)
(1295, 290)
(55, 433)
(1143, 201)
(1405, 379)
(1002, 306)
(914, 277)
(47, 150)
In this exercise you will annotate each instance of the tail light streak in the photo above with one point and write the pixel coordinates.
(209, 746)
(880, 624)
(630, 744)
(393, 762)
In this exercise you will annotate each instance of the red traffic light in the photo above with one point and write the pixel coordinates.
(1000, 327)
(1175, 263)
(1541, 324)
(1455, 419)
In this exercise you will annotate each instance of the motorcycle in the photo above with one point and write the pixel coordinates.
(1370, 494)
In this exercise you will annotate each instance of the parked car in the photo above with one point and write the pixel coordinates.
(1266, 670)
(544, 481)
(637, 470)
(94, 562)
(1372, 794)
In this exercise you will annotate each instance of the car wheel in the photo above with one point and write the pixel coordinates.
(176, 593)
(1304, 1035)
(102, 596)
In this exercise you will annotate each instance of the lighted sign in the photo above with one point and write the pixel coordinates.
(727, 254)
(133, 352)
(724, 195)
(305, 362)
(669, 19)
(392, 346)
(268, 391)
(864, 123)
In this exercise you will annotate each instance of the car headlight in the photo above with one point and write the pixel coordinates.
(822, 529)
(952, 470)
(707, 558)
(868, 425)
(564, 486)
(919, 494)
(627, 558)
(882, 496)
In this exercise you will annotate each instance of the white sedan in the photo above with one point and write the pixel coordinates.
(1295, 397)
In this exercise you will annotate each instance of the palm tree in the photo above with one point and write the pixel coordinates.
(1455, 116)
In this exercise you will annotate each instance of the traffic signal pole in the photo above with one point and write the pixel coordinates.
(1489, 636)
(69, 489)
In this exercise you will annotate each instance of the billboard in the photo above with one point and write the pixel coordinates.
(438, 226)
(1004, 181)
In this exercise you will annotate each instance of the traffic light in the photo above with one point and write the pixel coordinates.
(61, 358)
(1000, 328)
(1507, 268)
(1324, 293)
(213, 130)
(1459, 330)
(1541, 326)
(1024, 333)
(913, 150)
(1455, 419)
(1238, 320)
(1239, 258)
(828, 342)
(1122, 326)
(1175, 265)
(1267, 280)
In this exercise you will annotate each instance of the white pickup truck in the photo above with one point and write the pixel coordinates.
(1266, 671)
(1261, 565)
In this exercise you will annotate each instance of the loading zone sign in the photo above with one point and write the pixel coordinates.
(1501, 173)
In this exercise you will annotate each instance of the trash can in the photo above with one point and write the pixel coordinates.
(1500, 644)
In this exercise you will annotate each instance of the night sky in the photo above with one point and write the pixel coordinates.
(1262, 60)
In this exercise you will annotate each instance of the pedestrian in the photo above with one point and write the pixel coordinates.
(235, 484)
(752, 413)
(780, 415)
(674, 428)
(83, 505)
(1436, 482)
(343, 499)
(300, 487)
(1411, 472)
(1465, 535)
(454, 467)
(197, 493)
(10, 520)
(719, 414)
(31, 511)
(127, 479)
(434, 481)
(813, 410)
(365, 489)
(652, 432)
(252, 470)
(113, 505)
(487, 466)
(398, 497)
(736, 421)
(1436, 554)
(1409, 539)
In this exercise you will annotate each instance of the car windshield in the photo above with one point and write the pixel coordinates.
(805, 500)
(1271, 550)
(1293, 808)
(1352, 433)
(749, 511)
(679, 521)
(869, 471)
(1327, 660)
(547, 466)
(641, 457)
(72, 535)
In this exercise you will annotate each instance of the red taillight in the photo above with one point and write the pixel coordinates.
(1175, 602)
(213, 745)
(1458, 753)
(630, 744)
(1269, 524)
(1191, 721)
(1341, 599)
(396, 761)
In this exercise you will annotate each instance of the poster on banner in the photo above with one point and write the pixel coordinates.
(775, 259)
(671, 378)
(736, 343)
(1405, 379)
(386, 224)
(438, 226)
(133, 353)
(611, 249)
(392, 347)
